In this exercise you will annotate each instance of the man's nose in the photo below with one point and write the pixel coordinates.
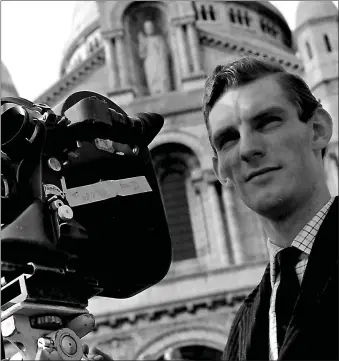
(251, 146)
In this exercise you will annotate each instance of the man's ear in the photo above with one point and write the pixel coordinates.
(216, 171)
(322, 128)
(215, 166)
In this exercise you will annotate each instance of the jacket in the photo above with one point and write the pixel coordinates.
(312, 333)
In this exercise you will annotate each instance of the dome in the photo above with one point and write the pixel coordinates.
(269, 10)
(272, 8)
(7, 85)
(85, 13)
(309, 10)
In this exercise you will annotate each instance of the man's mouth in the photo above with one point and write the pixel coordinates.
(260, 171)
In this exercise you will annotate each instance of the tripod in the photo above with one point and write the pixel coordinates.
(44, 314)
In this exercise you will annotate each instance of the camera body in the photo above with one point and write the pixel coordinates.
(79, 195)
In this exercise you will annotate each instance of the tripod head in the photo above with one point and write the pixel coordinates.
(82, 213)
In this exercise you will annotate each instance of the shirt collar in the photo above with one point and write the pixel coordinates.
(304, 239)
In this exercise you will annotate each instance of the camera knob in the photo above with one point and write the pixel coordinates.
(65, 212)
(69, 345)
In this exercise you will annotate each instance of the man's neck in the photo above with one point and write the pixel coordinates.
(283, 231)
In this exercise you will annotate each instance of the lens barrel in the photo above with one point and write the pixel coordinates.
(18, 131)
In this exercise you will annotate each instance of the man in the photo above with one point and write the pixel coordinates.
(269, 135)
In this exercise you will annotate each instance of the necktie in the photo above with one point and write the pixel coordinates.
(288, 289)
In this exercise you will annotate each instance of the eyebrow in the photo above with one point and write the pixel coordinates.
(230, 129)
(268, 111)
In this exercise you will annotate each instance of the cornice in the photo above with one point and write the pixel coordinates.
(155, 315)
(226, 43)
(109, 34)
(54, 94)
(183, 20)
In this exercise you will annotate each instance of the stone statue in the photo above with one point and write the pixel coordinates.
(154, 53)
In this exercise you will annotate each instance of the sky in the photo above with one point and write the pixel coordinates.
(33, 34)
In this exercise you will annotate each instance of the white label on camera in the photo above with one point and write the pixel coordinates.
(106, 189)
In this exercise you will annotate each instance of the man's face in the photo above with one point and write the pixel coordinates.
(256, 129)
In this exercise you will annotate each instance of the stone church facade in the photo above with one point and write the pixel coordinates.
(219, 247)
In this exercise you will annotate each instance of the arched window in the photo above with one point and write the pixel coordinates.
(212, 14)
(171, 163)
(196, 12)
(90, 47)
(231, 15)
(327, 43)
(97, 42)
(239, 16)
(263, 25)
(203, 12)
(309, 50)
(174, 195)
(247, 19)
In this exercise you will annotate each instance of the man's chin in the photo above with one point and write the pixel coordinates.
(267, 205)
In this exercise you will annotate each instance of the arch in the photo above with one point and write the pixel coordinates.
(186, 139)
(209, 336)
(175, 156)
(118, 11)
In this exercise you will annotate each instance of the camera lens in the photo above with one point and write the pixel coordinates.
(18, 131)
(12, 122)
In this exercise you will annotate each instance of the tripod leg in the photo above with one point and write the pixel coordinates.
(18, 331)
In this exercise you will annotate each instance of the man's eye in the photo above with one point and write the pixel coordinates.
(227, 141)
(269, 122)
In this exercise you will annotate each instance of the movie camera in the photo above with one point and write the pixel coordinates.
(81, 216)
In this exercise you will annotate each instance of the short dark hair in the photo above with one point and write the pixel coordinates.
(248, 69)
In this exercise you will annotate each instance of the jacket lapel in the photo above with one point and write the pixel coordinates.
(254, 323)
(322, 266)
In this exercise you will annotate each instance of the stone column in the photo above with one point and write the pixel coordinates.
(218, 225)
(195, 207)
(111, 63)
(214, 224)
(194, 46)
(233, 224)
(121, 60)
(182, 49)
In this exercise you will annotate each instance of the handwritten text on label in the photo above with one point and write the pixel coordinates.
(106, 189)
